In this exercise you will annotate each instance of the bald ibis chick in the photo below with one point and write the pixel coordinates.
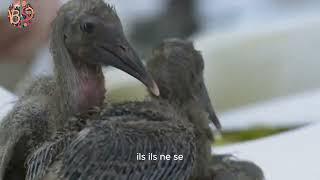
(86, 35)
(178, 67)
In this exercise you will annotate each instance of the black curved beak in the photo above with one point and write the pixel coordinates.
(123, 57)
(206, 103)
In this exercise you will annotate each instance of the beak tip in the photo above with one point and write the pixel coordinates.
(218, 126)
(216, 122)
(155, 89)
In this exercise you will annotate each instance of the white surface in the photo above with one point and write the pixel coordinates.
(252, 65)
(294, 110)
(7, 101)
(289, 156)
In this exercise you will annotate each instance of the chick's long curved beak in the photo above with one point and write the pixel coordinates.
(206, 102)
(127, 60)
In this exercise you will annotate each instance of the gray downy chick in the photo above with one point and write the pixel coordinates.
(178, 67)
(86, 35)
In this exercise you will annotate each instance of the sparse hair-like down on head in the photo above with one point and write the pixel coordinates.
(73, 9)
(176, 66)
(93, 7)
(178, 52)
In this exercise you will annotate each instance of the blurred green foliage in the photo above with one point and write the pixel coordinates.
(233, 136)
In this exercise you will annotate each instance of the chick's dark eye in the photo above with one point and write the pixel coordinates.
(87, 27)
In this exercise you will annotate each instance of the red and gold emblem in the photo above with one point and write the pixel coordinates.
(20, 13)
